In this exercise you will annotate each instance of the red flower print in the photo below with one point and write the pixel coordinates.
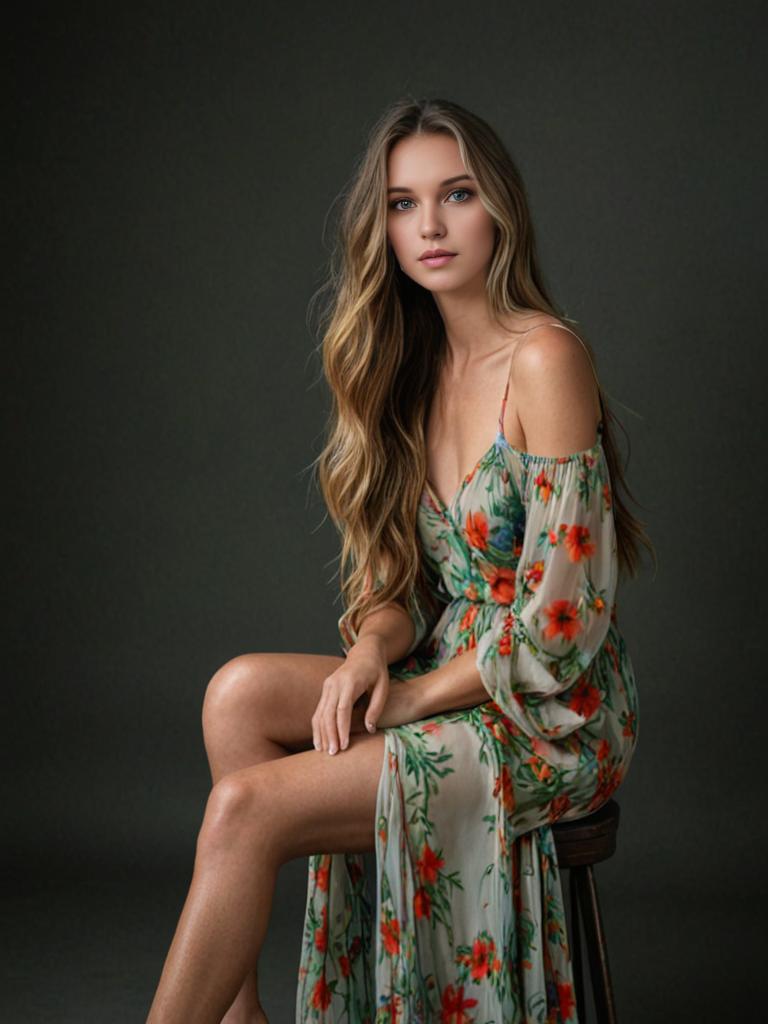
(321, 933)
(390, 933)
(502, 581)
(476, 530)
(578, 544)
(607, 496)
(503, 784)
(603, 750)
(422, 904)
(559, 806)
(566, 1000)
(468, 617)
(611, 650)
(428, 864)
(564, 619)
(482, 955)
(501, 726)
(496, 729)
(453, 1006)
(321, 994)
(345, 966)
(629, 724)
(543, 487)
(584, 699)
(393, 1006)
(534, 574)
(505, 644)
(503, 846)
(540, 746)
(608, 779)
(431, 727)
(539, 767)
(321, 875)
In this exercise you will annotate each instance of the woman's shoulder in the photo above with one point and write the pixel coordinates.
(547, 344)
(555, 384)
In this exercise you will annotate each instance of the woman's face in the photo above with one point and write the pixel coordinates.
(433, 204)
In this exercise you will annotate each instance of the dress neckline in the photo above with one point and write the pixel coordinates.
(501, 441)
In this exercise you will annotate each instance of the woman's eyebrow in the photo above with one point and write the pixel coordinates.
(448, 181)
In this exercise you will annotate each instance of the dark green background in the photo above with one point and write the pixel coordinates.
(169, 170)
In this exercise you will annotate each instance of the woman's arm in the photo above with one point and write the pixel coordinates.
(456, 684)
(391, 629)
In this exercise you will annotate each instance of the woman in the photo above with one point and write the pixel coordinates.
(482, 651)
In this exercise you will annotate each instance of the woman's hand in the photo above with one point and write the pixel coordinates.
(364, 671)
(360, 694)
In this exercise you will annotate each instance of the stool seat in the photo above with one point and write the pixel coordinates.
(589, 839)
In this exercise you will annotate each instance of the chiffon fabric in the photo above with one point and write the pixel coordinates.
(468, 921)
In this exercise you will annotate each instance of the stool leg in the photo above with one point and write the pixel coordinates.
(597, 949)
(578, 971)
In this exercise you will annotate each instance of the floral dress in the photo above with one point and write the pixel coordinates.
(468, 925)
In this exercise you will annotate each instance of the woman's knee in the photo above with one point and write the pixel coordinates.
(236, 689)
(237, 811)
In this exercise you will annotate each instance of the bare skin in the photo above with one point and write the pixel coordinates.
(258, 735)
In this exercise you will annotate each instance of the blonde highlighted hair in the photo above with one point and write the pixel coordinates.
(382, 344)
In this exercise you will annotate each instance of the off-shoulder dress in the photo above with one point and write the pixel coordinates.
(468, 921)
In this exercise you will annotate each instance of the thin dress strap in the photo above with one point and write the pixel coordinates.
(509, 368)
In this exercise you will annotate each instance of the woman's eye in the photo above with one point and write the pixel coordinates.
(395, 204)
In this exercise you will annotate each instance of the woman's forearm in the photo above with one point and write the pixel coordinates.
(394, 628)
(456, 684)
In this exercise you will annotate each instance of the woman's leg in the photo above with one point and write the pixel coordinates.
(256, 819)
(258, 707)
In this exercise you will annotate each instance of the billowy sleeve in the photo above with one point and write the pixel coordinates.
(539, 651)
(423, 622)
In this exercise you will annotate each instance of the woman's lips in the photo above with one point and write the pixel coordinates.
(437, 261)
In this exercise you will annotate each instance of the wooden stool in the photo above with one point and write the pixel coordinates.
(580, 844)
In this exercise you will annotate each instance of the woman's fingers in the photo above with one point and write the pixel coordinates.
(322, 715)
(343, 719)
(339, 722)
(332, 720)
(317, 728)
(330, 716)
(377, 701)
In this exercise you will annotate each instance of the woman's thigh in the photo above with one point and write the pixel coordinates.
(261, 696)
(310, 801)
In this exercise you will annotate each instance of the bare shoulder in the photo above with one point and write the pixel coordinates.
(555, 391)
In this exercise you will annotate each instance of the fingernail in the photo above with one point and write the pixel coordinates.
(345, 744)
(370, 727)
(331, 750)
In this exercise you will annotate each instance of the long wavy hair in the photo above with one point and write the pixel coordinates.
(383, 341)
